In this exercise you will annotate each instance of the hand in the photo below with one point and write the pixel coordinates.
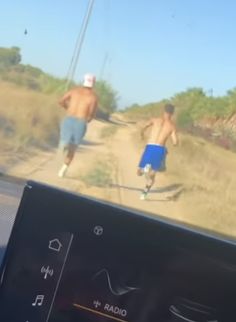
(63, 104)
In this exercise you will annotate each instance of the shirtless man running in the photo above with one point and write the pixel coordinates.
(80, 104)
(153, 158)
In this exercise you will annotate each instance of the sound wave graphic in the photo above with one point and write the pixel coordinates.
(116, 288)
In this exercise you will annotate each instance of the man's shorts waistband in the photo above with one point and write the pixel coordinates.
(156, 144)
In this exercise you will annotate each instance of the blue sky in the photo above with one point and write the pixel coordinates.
(147, 49)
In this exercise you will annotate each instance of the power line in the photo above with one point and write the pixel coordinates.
(78, 45)
(107, 28)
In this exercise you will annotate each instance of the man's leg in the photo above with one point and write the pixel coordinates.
(74, 132)
(69, 153)
(142, 163)
(150, 179)
(139, 172)
(65, 138)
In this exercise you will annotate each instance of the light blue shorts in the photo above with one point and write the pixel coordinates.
(72, 131)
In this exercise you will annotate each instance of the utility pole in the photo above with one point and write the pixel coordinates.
(103, 66)
(78, 45)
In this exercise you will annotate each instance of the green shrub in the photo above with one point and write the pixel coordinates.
(99, 175)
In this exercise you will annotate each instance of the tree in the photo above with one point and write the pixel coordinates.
(231, 100)
(190, 106)
(9, 57)
(107, 97)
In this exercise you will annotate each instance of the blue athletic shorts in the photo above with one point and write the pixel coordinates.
(154, 155)
(72, 131)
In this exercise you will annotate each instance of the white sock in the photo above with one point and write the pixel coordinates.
(63, 170)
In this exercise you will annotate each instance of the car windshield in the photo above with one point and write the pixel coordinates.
(131, 102)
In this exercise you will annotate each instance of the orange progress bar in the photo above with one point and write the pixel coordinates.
(97, 312)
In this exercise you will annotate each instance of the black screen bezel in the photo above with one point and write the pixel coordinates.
(146, 229)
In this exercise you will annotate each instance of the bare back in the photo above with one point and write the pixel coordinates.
(80, 102)
(161, 130)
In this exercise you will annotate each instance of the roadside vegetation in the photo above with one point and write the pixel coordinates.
(100, 175)
(27, 118)
(207, 175)
(108, 131)
(192, 105)
(199, 113)
(29, 113)
(203, 165)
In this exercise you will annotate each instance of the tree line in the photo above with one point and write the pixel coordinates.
(197, 112)
(12, 70)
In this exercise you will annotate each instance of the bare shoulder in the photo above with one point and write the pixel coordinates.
(78, 89)
(75, 91)
(157, 120)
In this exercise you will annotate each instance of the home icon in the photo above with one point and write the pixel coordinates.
(55, 245)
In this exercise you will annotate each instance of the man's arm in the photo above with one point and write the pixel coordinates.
(147, 125)
(64, 100)
(93, 110)
(174, 137)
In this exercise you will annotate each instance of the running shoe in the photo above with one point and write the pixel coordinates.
(143, 196)
(62, 171)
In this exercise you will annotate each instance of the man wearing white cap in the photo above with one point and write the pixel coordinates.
(80, 104)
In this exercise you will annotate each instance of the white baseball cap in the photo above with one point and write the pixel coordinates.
(89, 80)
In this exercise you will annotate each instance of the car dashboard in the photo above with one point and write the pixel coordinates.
(71, 259)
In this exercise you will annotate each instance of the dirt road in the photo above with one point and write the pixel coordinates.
(118, 149)
(180, 193)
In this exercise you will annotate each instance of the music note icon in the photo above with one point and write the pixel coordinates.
(38, 300)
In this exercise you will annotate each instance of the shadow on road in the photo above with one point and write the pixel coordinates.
(173, 193)
(90, 143)
(114, 185)
(170, 188)
(175, 188)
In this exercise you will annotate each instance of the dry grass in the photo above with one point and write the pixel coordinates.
(100, 175)
(27, 117)
(208, 175)
(108, 131)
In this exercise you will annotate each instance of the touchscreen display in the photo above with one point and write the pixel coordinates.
(71, 260)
